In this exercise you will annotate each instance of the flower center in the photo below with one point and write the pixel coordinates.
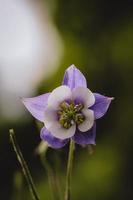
(70, 113)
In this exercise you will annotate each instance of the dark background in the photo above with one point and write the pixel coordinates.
(98, 39)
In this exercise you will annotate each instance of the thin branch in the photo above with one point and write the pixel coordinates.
(69, 171)
(24, 166)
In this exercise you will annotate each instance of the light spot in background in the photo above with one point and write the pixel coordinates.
(30, 49)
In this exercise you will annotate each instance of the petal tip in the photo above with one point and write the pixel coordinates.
(111, 98)
(101, 105)
(73, 77)
(36, 105)
(23, 100)
(72, 66)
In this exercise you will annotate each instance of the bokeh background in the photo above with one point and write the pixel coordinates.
(38, 41)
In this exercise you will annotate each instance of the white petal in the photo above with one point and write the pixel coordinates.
(59, 95)
(50, 116)
(83, 95)
(89, 120)
(59, 132)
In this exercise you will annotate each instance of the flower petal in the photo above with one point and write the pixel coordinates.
(50, 116)
(87, 137)
(101, 105)
(83, 95)
(61, 133)
(36, 105)
(59, 95)
(52, 141)
(74, 78)
(88, 122)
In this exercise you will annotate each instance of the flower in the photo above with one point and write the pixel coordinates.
(69, 111)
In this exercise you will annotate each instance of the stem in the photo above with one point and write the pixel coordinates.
(24, 166)
(69, 171)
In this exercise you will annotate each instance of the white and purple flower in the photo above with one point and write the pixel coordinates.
(69, 111)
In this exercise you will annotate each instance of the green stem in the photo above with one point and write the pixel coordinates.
(69, 171)
(23, 164)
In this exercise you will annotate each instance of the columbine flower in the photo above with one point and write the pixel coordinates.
(69, 111)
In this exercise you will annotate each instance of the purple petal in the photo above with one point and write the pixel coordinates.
(74, 78)
(52, 141)
(36, 105)
(101, 105)
(87, 137)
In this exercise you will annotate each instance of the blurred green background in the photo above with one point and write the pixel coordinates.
(97, 37)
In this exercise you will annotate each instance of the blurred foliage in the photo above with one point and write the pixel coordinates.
(98, 38)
